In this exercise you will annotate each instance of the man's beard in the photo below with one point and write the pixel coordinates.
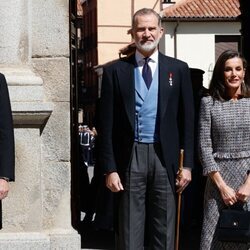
(148, 46)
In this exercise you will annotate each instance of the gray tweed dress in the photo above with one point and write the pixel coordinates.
(224, 143)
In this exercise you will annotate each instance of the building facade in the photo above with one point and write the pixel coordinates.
(199, 31)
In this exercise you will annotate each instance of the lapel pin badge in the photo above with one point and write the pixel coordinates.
(170, 79)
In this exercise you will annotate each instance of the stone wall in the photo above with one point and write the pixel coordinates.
(34, 56)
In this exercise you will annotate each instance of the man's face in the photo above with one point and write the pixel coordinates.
(147, 33)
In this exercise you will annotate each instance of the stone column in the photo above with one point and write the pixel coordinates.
(34, 56)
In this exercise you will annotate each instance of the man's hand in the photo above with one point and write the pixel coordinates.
(4, 188)
(113, 182)
(183, 179)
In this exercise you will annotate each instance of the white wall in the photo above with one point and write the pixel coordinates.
(195, 42)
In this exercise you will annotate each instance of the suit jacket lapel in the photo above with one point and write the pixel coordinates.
(164, 86)
(127, 86)
(126, 82)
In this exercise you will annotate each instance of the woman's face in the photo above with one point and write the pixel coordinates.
(234, 73)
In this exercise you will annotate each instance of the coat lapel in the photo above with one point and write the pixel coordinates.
(127, 86)
(164, 86)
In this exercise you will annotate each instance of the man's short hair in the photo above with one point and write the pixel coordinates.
(145, 11)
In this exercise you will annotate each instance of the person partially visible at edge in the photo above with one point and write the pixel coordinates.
(224, 144)
(7, 157)
(140, 140)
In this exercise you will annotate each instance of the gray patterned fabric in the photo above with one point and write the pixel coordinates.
(224, 144)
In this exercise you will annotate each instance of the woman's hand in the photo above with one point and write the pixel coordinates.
(243, 193)
(228, 195)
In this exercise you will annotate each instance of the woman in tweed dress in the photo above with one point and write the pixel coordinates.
(224, 143)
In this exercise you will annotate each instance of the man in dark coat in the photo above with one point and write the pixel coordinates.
(6, 142)
(144, 99)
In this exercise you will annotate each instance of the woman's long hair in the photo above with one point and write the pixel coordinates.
(217, 87)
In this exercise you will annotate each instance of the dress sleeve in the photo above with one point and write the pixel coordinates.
(205, 137)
